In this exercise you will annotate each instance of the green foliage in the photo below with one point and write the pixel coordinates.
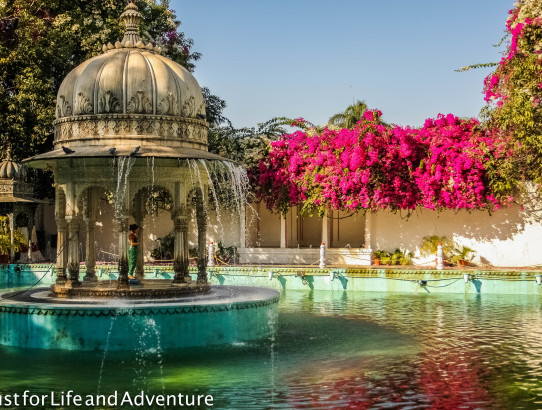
(350, 116)
(398, 257)
(5, 237)
(514, 95)
(463, 253)
(475, 66)
(226, 254)
(430, 244)
(246, 146)
(214, 108)
(164, 250)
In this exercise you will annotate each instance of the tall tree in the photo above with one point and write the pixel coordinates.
(42, 40)
(350, 116)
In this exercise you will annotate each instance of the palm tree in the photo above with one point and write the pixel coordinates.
(350, 116)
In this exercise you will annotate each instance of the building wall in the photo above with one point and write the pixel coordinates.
(347, 231)
(263, 227)
(508, 237)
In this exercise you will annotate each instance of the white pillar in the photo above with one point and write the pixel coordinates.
(326, 232)
(283, 232)
(322, 256)
(211, 256)
(370, 226)
(440, 257)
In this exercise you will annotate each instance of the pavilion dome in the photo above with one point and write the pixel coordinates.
(9, 169)
(129, 96)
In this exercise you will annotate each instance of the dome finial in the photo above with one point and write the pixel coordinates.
(132, 19)
(8, 153)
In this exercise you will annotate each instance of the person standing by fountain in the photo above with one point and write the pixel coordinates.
(132, 252)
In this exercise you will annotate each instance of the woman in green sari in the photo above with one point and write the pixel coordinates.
(132, 252)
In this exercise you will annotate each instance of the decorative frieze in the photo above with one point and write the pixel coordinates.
(117, 125)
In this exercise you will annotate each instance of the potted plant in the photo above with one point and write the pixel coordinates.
(462, 256)
(401, 257)
(377, 256)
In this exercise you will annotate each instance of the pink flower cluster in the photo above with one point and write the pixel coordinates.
(521, 44)
(374, 166)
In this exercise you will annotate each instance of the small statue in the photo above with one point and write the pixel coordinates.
(132, 252)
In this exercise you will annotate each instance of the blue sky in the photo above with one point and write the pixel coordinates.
(311, 58)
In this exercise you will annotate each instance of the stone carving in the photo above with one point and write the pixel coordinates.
(202, 108)
(83, 104)
(63, 108)
(189, 107)
(167, 105)
(184, 129)
(109, 104)
(139, 104)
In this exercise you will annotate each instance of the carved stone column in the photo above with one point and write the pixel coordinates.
(61, 251)
(201, 216)
(62, 237)
(122, 223)
(90, 222)
(12, 232)
(185, 250)
(180, 255)
(73, 253)
(139, 215)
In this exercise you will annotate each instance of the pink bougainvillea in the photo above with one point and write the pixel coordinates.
(524, 38)
(374, 166)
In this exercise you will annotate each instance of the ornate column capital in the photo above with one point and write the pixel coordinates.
(180, 224)
(123, 223)
(61, 223)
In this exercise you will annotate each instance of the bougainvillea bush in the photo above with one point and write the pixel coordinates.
(443, 165)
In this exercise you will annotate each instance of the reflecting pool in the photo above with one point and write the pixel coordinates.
(331, 350)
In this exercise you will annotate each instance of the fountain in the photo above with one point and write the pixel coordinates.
(116, 113)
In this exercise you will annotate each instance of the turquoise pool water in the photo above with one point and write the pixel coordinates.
(331, 350)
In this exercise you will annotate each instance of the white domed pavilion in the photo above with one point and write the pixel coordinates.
(115, 112)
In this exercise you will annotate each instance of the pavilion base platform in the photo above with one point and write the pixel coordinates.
(224, 315)
(147, 289)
